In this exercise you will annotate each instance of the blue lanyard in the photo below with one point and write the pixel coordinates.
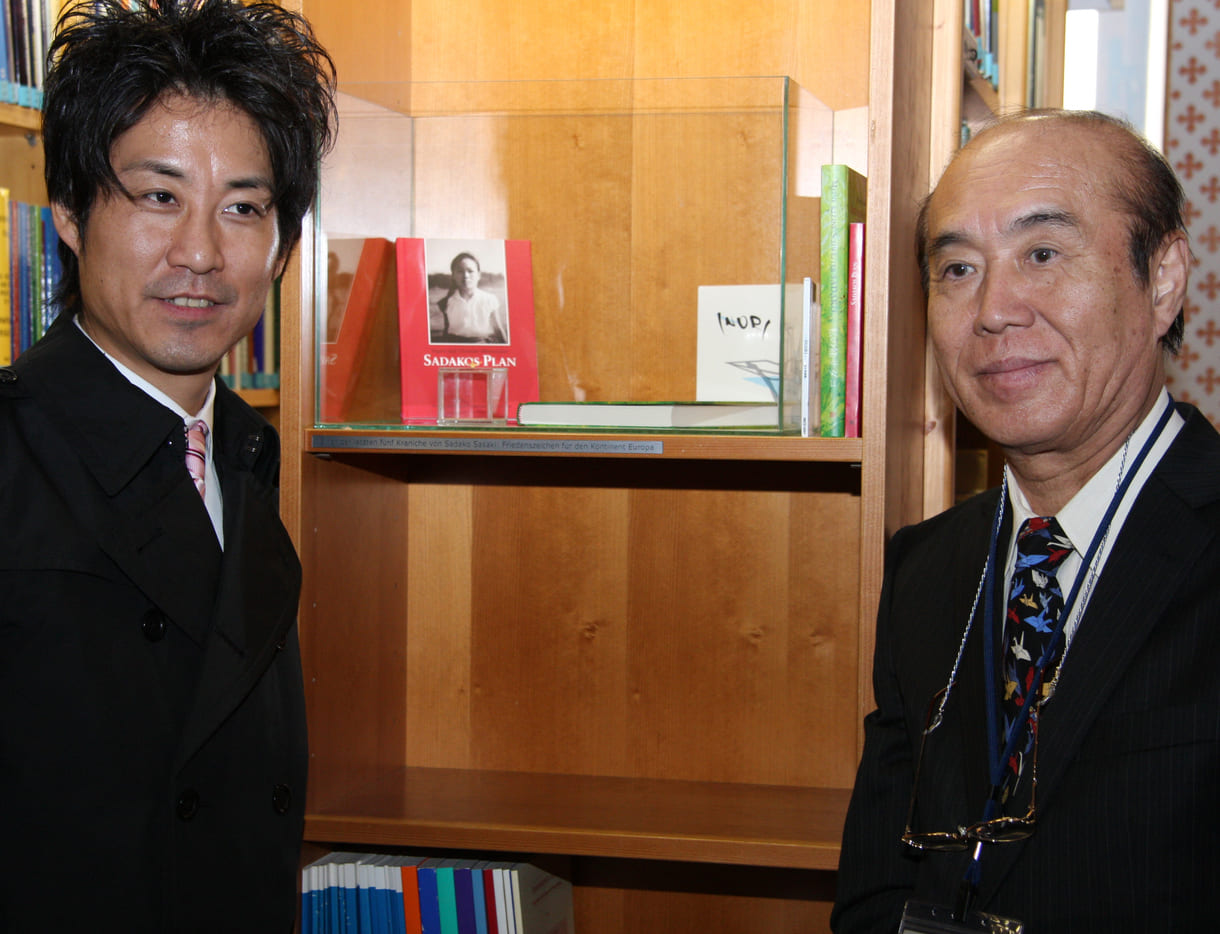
(989, 631)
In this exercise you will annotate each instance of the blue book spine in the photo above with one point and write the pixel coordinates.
(429, 903)
(6, 71)
(25, 241)
(334, 901)
(349, 898)
(364, 900)
(307, 900)
(480, 897)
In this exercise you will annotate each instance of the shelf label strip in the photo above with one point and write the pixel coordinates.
(490, 445)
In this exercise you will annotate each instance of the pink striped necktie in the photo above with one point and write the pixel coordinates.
(196, 453)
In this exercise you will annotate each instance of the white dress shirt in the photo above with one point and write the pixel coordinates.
(1081, 517)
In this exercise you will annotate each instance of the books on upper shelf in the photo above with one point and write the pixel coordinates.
(844, 193)
(368, 893)
(981, 42)
(361, 285)
(29, 274)
(25, 35)
(254, 361)
(465, 304)
(649, 415)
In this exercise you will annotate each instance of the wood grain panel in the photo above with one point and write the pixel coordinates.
(437, 623)
(825, 46)
(584, 627)
(706, 210)
(680, 898)
(564, 183)
(354, 597)
(723, 691)
(551, 630)
(372, 46)
(480, 40)
(21, 165)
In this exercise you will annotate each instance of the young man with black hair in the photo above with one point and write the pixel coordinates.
(152, 724)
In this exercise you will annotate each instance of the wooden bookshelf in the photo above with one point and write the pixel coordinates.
(647, 652)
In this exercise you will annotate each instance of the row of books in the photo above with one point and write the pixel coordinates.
(254, 361)
(29, 272)
(366, 893)
(981, 28)
(770, 358)
(753, 375)
(26, 27)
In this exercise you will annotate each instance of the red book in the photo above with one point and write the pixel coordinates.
(855, 324)
(353, 308)
(465, 305)
(410, 898)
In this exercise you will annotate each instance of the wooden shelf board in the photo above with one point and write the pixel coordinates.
(16, 120)
(260, 398)
(979, 96)
(586, 444)
(704, 822)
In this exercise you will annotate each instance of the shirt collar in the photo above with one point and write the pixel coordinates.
(1082, 515)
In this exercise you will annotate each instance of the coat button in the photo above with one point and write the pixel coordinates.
(153, 626)
(188, 804)
(8, 375)
(281, 799)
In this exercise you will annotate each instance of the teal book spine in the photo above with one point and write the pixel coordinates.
(446, 892)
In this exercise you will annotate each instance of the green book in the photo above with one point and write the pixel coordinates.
(446, 893)
(844, 197)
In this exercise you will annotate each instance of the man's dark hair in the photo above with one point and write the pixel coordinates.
(108, 65)
(1148, 192)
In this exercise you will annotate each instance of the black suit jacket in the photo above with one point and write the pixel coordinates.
(152, 735)
(1129, 765)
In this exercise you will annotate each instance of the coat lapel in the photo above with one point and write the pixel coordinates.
(977, 751)
(260, 578)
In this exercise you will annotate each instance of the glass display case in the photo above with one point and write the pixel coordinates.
(618, 224)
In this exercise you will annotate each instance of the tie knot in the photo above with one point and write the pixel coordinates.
(1042, 544)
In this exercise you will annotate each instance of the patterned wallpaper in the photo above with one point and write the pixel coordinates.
(1192, 132)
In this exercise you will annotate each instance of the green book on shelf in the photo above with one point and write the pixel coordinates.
(844, 196)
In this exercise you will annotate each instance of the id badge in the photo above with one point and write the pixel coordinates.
(926, 918)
